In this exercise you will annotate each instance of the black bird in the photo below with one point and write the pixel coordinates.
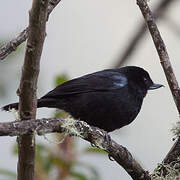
(108, 99)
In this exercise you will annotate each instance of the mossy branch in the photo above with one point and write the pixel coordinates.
(174, 153)
(95, 136)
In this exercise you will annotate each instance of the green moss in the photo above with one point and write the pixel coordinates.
(70, 127)
(171, 171)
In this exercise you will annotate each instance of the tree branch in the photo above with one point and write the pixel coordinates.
(95, 136)
(11, 46)
(160, 10)
(162, 52)
(168, 70)
(28, 86)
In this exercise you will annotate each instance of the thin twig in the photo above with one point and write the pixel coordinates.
(72, 127)
(165, 62)
(11, 46)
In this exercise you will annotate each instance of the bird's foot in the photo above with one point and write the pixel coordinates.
(107, 138)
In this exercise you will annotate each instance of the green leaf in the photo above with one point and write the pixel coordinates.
(60, 114)
(95, 150)
(61, 79)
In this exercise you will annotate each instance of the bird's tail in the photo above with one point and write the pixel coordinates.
(50, 103)
(10, 106)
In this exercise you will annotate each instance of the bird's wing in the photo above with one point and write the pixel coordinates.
(99, 81)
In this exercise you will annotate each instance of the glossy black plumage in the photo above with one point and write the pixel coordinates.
(108, 99)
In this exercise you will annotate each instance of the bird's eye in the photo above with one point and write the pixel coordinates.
(145, 80)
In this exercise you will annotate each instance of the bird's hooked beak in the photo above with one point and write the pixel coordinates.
(155, 86)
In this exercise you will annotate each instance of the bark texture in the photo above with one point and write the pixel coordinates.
(28, 86)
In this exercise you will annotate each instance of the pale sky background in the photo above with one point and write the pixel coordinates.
(85, 36)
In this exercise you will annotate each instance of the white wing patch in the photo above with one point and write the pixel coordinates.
(119, 80)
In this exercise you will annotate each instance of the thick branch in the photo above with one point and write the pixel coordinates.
(72, 127)
(165, 62)
(11, 46)
(28, 86)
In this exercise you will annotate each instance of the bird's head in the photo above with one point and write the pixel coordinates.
(139, 77)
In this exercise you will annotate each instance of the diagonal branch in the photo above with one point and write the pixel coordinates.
(162, 52)
(11, 46)
(168, 70)
(159, 12)
(95, 136)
